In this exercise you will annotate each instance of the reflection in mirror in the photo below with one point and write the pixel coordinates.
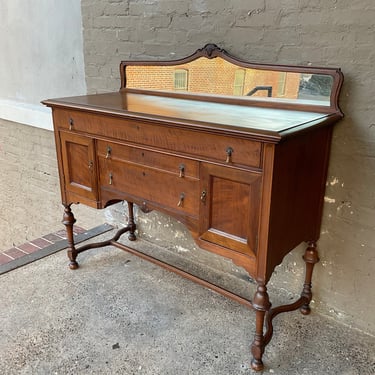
(221, 77)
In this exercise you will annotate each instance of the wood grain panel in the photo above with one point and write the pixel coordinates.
(177, 165)
(189, 142)
(150, 184)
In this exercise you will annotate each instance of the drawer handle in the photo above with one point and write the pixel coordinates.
(91, 164)
(182, 170)
(71, 123)
(109, 151)
(181, 201)
(110, 178)
(229, 152)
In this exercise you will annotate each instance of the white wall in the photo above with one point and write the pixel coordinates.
(41, 56)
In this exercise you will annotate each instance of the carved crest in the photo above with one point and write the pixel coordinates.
(210, 50)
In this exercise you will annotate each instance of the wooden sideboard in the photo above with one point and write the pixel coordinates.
(246, 175)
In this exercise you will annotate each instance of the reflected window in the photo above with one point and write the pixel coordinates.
(282, 84)
(180, 79)
(239, 81)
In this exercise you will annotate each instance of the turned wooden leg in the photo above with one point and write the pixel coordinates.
(310, 258)
(131, 223)
(68, 221)
(261, 304)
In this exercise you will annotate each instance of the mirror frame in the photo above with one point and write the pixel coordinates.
(211, 51)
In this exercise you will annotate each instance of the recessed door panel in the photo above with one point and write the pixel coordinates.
(78, 157)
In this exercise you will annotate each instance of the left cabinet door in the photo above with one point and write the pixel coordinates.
(79, 165)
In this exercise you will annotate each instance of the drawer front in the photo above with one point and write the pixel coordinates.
(149, 184)
(196, 143)
(180, 167)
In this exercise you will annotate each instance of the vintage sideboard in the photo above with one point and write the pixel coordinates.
(236, 151)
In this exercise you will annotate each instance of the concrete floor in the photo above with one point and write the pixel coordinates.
(118, 314)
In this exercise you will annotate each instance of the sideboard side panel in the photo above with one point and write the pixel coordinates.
(300, 173)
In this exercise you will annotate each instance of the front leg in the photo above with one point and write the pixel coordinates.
(310, 258)
(131, 223)
(261, 304)
(68, 221)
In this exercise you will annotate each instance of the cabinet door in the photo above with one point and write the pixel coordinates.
(79, 167)
(230, 202)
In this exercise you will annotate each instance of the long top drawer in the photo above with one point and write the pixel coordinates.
(196, 143)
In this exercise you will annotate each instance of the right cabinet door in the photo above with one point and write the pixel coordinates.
(230, 204)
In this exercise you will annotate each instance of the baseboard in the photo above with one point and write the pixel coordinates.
(26, 113)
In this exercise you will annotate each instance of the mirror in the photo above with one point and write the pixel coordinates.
(213, 71)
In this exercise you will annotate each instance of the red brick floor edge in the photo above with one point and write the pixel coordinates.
(35, 245)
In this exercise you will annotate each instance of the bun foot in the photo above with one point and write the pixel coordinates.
(257, 365)
(73, 265)
(305, 310)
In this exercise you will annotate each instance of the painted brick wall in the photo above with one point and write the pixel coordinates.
(336, 33)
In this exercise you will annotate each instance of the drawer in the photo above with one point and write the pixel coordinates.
(150, 184)
(192, 141)
(181, 167)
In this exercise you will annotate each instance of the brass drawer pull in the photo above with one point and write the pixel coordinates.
(229, 152)
(71, 123)
(182, 170)
(110, 178)
(181, 201)
(109, 151)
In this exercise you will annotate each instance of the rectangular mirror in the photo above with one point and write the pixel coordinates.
(213, 71)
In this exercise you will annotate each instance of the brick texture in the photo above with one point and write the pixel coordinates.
(34, 245)
(335, 33)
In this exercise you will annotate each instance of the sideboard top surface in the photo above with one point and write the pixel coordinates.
(231, 116)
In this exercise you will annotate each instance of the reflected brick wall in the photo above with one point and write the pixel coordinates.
(215, 76)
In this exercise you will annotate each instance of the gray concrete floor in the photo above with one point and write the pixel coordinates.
(118, 314)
